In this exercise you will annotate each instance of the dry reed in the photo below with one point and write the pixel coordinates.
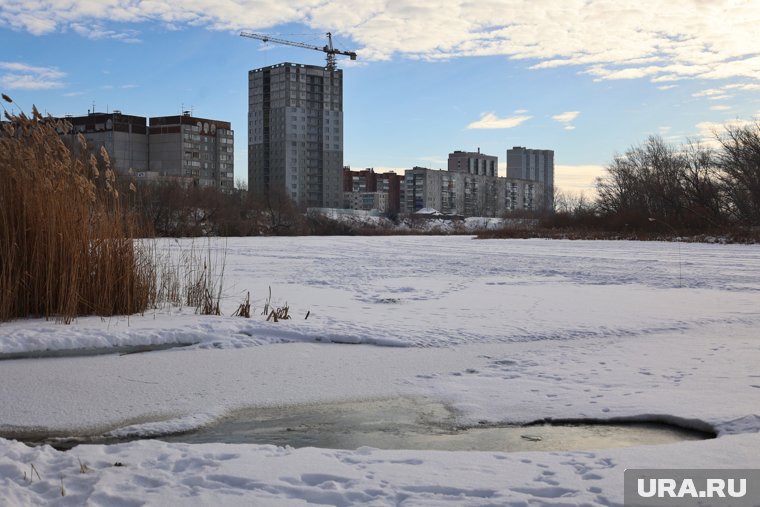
(190, 277)
(67, 247)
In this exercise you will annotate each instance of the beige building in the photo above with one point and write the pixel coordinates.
(458, 193)
(366, 201)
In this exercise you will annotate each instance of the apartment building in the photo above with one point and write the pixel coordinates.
(295, 133)
(180, 148)
(459, 193)
(533, 165)
(192, 147)
(125, 138)
(473, 163)
(368, 181)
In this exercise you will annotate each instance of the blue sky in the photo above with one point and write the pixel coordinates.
(585, 78)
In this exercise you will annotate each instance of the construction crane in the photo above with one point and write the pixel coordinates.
(329, 49)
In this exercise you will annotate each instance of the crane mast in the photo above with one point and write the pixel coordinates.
(328, 49)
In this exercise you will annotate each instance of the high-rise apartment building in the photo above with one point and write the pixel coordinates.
(533, 165)
(125, 138)
(295, 133)
(190, 147)
(183, 148)
(473, 163)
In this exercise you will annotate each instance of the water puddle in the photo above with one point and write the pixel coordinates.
(402, 423)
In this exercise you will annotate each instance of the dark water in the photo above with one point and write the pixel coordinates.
(101, 351)
(402, 423)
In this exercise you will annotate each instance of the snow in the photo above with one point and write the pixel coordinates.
(424, 220)
(428, 211)
(504, 331)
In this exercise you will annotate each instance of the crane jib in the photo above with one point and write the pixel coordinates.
(328, 49)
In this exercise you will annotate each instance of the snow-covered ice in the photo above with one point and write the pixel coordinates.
(504, 331)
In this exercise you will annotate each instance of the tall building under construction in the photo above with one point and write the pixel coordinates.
(295, 133)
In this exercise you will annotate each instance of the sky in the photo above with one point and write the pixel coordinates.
(585, 78)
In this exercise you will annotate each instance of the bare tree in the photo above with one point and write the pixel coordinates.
(277, 212)
(700, 180)
(676, 184)
(739, 162)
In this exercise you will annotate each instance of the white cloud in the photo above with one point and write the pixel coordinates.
(667, 87)
(20, 76)
(721, 93)
(565, 119)
(713, 94)
(577, 178)
(97, 32)
(720, 107)
(743, 86)
(609, 39)
(709, 130)
(708, 93)
(491, 121)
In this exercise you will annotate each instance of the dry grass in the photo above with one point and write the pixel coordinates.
(244, 310)
(278, 313)
(191, 277)
(66, 245)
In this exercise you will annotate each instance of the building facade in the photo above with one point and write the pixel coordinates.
(533, 165)
(125, 138)
(191, 147)
(458, 193)
(366, 201)
(473, 163)
(368, 181)
(295, 133)
(180, 148)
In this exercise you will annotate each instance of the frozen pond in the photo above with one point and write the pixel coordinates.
(403, 423)
(502, 332)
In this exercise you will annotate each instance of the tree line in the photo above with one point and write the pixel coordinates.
(176, 209)
(687, 187)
